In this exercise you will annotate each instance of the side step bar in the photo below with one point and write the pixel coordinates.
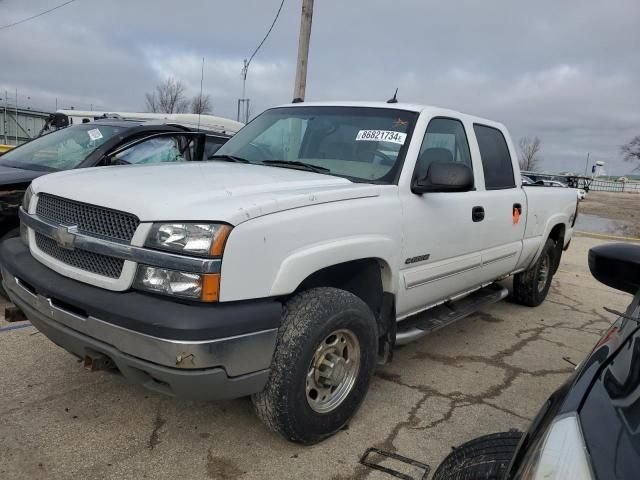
(437, 317)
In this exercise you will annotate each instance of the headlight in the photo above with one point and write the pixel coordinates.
(201, 239)
(560, 455)
(194, 286)
(26, 200)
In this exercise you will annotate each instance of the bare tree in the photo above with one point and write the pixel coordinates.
(201, 103)
(168, 97)
(631, 151)
(529, 148)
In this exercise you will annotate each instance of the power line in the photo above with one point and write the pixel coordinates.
(243, 103)
(36, 15)
(275, 19)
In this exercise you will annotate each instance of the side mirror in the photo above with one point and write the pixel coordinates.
(617, 265)
(444, 177)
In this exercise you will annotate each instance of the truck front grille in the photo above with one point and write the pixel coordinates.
(88, 261)
(90, 219)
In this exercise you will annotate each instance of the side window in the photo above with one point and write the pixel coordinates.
(496, 161)
(153, 150)
(444, 141)
(212, 144)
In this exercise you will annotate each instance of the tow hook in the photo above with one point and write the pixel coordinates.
(95, 361)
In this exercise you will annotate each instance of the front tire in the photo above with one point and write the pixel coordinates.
(531, 287)
(323, 363)
(10, 234)
(487, 458)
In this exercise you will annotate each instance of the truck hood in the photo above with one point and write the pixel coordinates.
(199, 191)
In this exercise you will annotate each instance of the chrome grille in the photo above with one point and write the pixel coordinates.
(88, 261)
(90, 219)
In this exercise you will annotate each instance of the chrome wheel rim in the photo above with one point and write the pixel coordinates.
(543, 273)
(333, 371)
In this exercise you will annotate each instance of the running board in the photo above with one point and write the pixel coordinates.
(438, 317)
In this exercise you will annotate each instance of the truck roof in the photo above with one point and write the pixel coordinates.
(412, 107)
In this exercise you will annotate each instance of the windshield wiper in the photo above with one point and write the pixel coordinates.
(297, 165)
(228, 158)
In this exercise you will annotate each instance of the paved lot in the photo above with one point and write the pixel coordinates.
(487, 373)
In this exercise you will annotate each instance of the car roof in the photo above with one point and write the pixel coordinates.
(116, 122)
(411, 107)
(142, 125)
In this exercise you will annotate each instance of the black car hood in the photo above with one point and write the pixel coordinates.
(610, 414)
(9, 175)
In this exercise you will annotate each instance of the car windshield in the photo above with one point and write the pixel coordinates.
(359, 143)
(60, 150)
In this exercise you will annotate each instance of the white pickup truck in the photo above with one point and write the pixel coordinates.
(287, 267)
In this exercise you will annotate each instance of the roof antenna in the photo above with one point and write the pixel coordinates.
(394, 99)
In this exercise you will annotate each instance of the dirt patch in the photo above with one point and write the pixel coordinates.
(158, 423)
(221, 468)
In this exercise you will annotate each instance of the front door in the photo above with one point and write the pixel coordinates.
(442, 250)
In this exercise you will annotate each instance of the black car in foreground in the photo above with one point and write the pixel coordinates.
(100, 143)
(590, 427)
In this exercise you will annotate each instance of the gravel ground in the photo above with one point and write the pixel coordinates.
(487, 373)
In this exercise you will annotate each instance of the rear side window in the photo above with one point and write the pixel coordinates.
(496, 161)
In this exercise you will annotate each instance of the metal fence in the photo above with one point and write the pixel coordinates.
(589, 183)
(598, 185)
(20, 125)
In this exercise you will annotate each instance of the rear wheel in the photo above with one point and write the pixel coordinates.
(485, 458)
(324, 359)
(531, 287)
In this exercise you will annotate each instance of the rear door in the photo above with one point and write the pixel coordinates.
(503, 202)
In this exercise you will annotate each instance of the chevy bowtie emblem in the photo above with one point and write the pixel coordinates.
(65, 236)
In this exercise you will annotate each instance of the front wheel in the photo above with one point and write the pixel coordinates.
(324, 360)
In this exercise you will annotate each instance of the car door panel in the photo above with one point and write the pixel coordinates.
(503, 229)
(441, 255)
(501, 233)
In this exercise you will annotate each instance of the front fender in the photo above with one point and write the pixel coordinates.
(307, 260)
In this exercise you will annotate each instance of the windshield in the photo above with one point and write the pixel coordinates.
(362, 144)
(60, 150)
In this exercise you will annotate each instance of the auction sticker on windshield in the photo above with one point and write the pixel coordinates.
(381, 136)
(94, 134)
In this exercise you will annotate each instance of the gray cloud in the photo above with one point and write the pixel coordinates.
(565, 71)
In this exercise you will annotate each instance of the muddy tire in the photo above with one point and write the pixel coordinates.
(322, 366)
(531, 287)
(485, 458)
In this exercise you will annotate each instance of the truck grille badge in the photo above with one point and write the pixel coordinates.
(65, 236)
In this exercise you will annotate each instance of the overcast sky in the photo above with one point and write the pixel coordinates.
(566, 71)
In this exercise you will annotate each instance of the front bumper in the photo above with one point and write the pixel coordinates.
(185, 350)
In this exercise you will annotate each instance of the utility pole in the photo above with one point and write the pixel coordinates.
(6, 101)
(303, 50)
(586, 167)
(243, 103)
(16, 117)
